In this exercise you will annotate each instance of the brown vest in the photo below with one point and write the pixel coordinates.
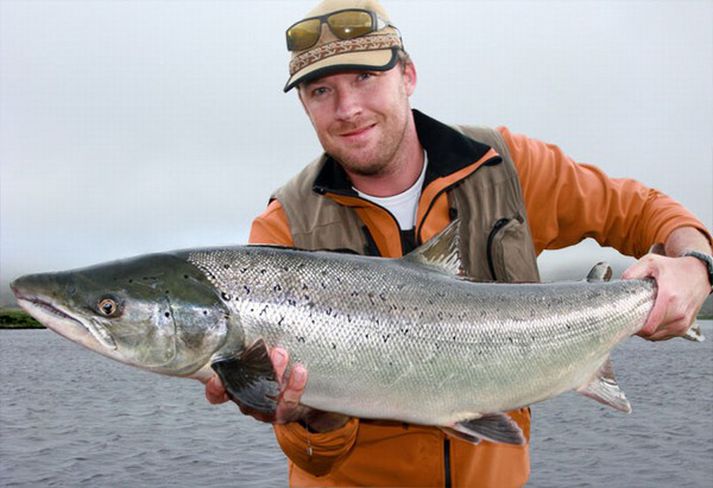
(496, 241)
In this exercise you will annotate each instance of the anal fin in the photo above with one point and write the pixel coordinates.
(495, 427)
(249, 378)
(604, 389)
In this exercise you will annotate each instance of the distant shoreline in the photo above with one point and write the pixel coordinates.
(15, 318)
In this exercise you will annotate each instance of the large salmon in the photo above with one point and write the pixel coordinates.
(406, 339)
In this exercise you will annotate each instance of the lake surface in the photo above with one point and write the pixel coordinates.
(69, 417)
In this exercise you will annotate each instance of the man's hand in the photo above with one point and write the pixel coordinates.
(288, 406)
(682, 288)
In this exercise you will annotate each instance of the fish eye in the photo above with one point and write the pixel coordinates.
(108, 307)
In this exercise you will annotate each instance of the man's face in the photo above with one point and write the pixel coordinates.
(361, 116)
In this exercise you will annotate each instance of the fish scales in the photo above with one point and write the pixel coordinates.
(417, 337)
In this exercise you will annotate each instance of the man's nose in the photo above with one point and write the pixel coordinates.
(348, 105)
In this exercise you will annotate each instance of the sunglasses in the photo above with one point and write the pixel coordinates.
(345, 24)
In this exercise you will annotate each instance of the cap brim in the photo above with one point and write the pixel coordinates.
(377, 60)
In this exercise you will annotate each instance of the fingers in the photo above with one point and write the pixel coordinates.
(678, 297)
(288, 407)
(643, 268)
(296, 385)
(214, 391)
(279, 359)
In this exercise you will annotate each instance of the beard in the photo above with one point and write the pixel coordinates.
(378, 158)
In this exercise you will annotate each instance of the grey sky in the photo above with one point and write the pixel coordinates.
(135, 126)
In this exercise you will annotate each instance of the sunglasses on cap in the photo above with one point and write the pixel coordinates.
(344, 24)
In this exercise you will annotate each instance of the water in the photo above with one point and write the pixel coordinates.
(69, 417)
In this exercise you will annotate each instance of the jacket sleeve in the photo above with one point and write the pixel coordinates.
(567, 202)
(315, 453)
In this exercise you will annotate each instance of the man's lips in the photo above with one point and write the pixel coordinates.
(357, 132)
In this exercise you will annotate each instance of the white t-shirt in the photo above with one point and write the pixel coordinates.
(402, 206)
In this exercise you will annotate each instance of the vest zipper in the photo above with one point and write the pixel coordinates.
(447, 462)
(489, 250)
(489, 162)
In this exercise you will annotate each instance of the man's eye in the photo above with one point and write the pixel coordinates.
(319, 91)
(364, 76)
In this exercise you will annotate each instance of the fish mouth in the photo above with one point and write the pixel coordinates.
(64, 323)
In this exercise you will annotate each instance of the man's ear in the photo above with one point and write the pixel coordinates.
(410, 78)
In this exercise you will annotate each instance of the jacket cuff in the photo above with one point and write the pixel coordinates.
(316, 454)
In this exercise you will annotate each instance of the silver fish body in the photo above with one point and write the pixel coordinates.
(392, 339)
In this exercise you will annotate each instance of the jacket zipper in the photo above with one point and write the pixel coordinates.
(447, 462)
(419, 241)
(493, 232)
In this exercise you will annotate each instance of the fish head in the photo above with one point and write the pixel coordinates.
(157, 312)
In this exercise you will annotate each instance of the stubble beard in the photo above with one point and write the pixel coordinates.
(377, 162)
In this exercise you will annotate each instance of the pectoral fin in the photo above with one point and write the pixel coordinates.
(249, 378)
(496, 427)
(604, 389)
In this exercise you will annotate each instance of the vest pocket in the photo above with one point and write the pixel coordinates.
(510, 257)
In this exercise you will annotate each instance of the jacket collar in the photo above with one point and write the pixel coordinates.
(448, 151)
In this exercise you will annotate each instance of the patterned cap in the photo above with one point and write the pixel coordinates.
(376, 51)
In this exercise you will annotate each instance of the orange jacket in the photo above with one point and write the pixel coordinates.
(566, 202)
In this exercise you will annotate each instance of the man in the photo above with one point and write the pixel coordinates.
(389, 180)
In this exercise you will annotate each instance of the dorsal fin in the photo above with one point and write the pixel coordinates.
(600, 272)
(441, 253)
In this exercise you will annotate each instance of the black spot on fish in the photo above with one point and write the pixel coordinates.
(247, 289)
(243, 270)
(382, 296)
(277, 288)
(226, 266)
(279, 322)
(263, 271)
(300, 339)
(264, 310)
(205, 312)
(304, 286)
(510, 339)
(167, 315)
(131, 281)
(226, 297)
(185, 277)
(366, 336)
(334, 346)
(386, 337)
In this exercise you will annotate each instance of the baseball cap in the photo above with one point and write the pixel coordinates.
(376, 50)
